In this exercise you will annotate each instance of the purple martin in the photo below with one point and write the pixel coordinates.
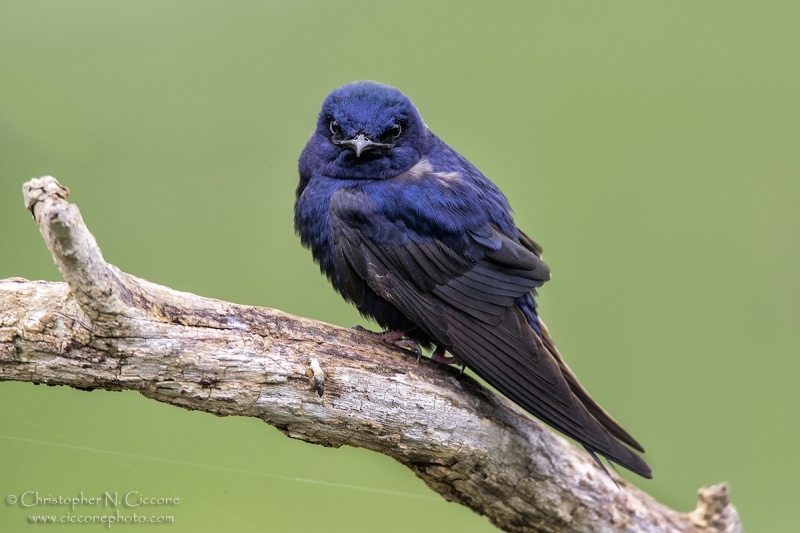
(420, 241)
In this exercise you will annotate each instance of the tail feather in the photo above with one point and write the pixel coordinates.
(602, 416)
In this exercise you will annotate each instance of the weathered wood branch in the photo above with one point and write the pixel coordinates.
(105, 329)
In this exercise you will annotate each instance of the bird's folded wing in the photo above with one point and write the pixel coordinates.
(463, 296)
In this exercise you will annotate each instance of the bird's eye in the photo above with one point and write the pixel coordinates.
(335, 128)
(395, 131)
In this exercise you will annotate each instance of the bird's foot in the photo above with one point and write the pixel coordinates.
(439, 356)
(395, 338)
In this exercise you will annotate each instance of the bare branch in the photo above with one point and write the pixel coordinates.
(315, 382)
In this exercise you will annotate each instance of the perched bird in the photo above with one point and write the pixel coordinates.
(420, 241)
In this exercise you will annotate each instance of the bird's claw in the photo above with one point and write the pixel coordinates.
(395, 338)
(410, 345)
(439, 356)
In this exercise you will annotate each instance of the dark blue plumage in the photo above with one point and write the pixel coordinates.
(419, 240)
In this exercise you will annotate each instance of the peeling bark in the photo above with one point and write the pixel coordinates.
(104, 329)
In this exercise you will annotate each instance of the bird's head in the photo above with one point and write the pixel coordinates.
(367, 130)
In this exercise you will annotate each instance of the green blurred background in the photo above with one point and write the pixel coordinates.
(652, 148)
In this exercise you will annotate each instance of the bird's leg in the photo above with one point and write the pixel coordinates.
(395, 338)
(439, 356)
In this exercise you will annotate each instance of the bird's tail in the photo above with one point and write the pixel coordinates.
(600, 414)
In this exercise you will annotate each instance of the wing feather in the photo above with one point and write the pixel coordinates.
(464, 299)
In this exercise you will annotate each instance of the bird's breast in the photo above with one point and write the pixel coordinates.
(313, 222)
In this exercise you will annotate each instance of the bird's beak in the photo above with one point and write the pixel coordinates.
(360, 144)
